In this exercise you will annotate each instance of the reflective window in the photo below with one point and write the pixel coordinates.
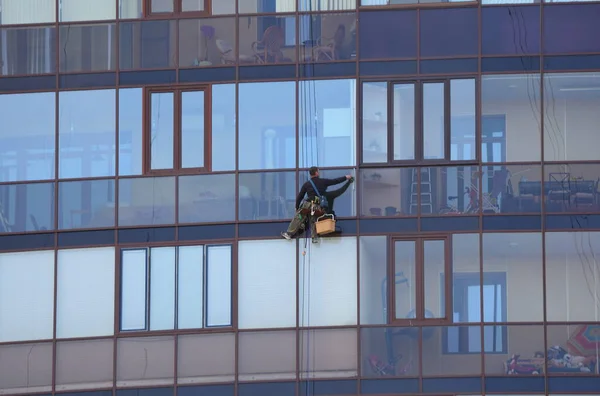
(207, 198)
(27, 50)
(454, 190)
(267, 39)
(379, 32)
(145, 361)
(342, 196)
(87, 133)
(85, 293)
(84, 364)
(511, 118)
(223, 122)
(266, 287)
(333, 352)
(566, 343)
(423, 135)
(326, 5)
(26, 207)
(161, 6)
(335, 305)
(87, 48)
(510, 30)
(405, 268)
(86, 204)
(206, 42)
(433, 121)
(147, 45)
(146, 201)
(580, 20)
(400, 2)
(131, 9)
(38, 378)
(511, 189)
(268, 355)
(327, 37)
(527, 339)
(27, 11)
(571, 188)
(26, 296)
(512, 262)
(216, 361)
(177, 130)
(466, 289)
(571, 103)
(449, 32)
(254, 7)
(27, 136)
(373, 261)
(130, 131)
(388, 192)
(448, 358)
(327, 127)
(86, 10)
(267, 195)
(374, 355)
(509, 1)
(267, 125)
(189, 287)
(572, 271)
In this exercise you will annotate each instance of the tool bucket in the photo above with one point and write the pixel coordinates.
(325, 224)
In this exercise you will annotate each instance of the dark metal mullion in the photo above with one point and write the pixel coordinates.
(447, 120)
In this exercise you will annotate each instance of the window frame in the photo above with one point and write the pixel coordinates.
(464, 280)
(177, 5)
(418, 84)
(419, 286)
(147, 291)
(177, 168)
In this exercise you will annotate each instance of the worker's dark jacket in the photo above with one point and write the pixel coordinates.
(321, 185)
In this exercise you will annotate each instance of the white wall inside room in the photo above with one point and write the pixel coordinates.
(267, 284)
(85, 292)
(328, 280)
(26, 296)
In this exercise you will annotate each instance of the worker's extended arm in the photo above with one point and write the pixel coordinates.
(333, 182)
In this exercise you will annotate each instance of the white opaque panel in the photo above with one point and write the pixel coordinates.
(26, 296)
(218, 284)
(266, 284)
(27, 11)
(190, 290)
(87, 10)
(328, 283)
(133, 289)
(86, 292)
(162, 288)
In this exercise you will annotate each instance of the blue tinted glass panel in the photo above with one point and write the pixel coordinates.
(207, 198)
(571, 29)
(162, 130)
(327, 127)
(327, 37)
(162, 288)
(199, 37)
(380, 34)
(87, 48)
(268, 39)
(27, 132)
(342, 196)
(510, 30)
(223, 123)
(267, 195)
(192, 131)
(86, 204)
(147, 201)
(267, 125)
(130, 131)
(27, 207)
(87, 133)
(448, 32)
(27, 50)
(147, 45)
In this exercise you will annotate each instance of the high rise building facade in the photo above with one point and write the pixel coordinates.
(150, 156)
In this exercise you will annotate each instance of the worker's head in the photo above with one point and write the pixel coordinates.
(313, 171)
